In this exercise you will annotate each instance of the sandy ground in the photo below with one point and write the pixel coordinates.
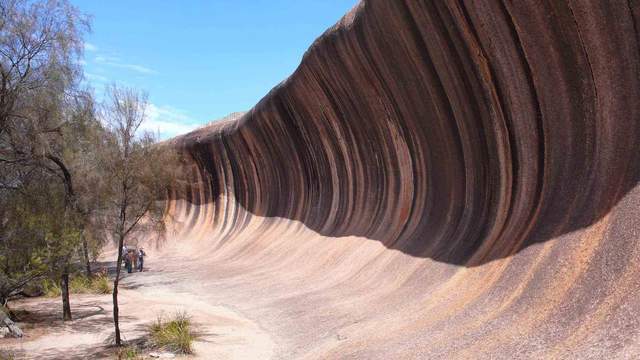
(223, 332)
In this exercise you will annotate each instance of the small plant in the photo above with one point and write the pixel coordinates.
(174, 334)
(128, 353)
(6, 355)
(51, 288)
(80, 285)
(98, 284)
(101, 284)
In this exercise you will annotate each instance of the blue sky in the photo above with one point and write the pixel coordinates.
(200, 60)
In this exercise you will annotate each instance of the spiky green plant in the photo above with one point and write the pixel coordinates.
(174, 334)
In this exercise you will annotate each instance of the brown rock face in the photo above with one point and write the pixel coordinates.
(437, 179)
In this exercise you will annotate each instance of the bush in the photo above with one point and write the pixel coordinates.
(6, 355)
(101, 284)
(174, 334)
(80, 285)
(51, 288)
(128, 353)
(98, 284)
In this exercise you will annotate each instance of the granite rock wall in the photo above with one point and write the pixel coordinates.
(494, 145)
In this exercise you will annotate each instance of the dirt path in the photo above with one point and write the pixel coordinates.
(224, 332)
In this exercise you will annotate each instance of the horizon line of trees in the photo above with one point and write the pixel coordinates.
(74, 173)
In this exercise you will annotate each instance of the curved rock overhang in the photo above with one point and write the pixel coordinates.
(476, 162)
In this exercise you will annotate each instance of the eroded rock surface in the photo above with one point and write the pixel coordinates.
(450, 179)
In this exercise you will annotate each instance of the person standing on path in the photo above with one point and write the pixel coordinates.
(141, 255)
(134, 258)
(127, 261)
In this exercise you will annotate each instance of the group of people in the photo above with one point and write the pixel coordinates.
(133, 258)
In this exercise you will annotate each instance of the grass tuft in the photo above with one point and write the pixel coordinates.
(80, 285)
(128, 353)
(6, 355)
(51, 288)
(99, 284)
(173, 334)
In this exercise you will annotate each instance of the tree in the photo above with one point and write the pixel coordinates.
(21, 258)
(140, 171)
(84, 140)
(39, 239)
(40, 48)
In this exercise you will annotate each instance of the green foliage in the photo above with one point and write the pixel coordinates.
(40, 239)
(80, 285)
(128, 353)
(51, 288)
(43, 114)
(6, 355)
(95, 243)
(37, 235)
(25, 227)
(99, 284)
(173, 334)
(63, 168)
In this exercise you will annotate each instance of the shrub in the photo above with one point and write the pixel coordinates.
(6, 355)
(173, 334)
(128, 353)
(98, 284)
(101, 284)
(80, 285)
(51, 288)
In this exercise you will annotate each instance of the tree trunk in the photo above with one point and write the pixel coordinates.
(66, 306)
(115, 291)
(85, 253)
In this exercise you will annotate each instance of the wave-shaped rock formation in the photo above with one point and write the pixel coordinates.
(436, 180)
